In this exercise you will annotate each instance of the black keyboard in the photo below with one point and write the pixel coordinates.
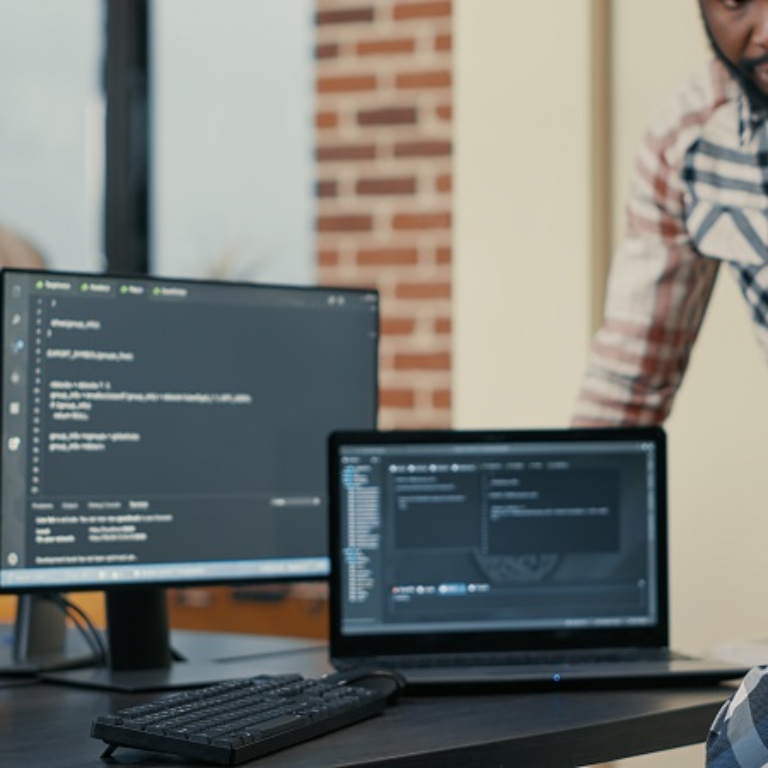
(230, 723)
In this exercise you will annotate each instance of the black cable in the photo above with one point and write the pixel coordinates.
(83, 624)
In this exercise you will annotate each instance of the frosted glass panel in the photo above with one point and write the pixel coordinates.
(51, 127)
(232, 139)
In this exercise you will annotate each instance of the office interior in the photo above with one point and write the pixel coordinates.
(510, 235)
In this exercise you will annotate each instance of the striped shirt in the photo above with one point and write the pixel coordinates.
(739, 735)
(699, 198)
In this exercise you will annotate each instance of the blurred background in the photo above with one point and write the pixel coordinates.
(469, 158)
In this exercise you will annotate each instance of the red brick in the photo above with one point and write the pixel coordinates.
(327, 51)
(346, 84)
(381, 257)
(420, 221)
(422, 80)
(444, 42)
(425, 10)
(386, 46)
(444, 183)
(327, 188)
(344, 16)
(443, 326)
(444, 255)
(428, 148)
(387, 116)
(326, 120)
(445, 112)
(344, 223)
(423, 361)
(333, 276)
(441, 398)
(346, 152)
(423, 291)
(405, 185)
(397, 326)
(397, 398)
(328, 258)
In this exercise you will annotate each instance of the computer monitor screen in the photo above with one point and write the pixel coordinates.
(162, 432)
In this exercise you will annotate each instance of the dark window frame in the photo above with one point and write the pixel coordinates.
(127, 78)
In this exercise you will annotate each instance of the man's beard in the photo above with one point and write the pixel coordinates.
(741, 72)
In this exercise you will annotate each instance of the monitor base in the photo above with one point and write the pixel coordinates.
(38, 641)
(35, 665)
(312, 662)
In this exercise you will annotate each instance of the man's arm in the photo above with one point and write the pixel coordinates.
(657, 294)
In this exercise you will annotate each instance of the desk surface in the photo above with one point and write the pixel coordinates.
(47, 725)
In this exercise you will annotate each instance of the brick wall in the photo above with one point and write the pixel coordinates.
(384, 144)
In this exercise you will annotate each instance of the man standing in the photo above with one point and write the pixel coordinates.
(698, 200)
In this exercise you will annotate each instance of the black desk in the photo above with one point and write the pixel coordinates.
(43, 724)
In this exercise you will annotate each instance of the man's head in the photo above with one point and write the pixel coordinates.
(738, 31)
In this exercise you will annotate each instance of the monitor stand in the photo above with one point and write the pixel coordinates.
(141, 659)
(39, 640)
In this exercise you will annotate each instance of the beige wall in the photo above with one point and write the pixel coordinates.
(522, 290)
(521, 210)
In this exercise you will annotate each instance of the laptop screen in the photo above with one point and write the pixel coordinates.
(544, 533)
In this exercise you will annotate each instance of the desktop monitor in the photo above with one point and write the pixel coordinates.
(165, 432)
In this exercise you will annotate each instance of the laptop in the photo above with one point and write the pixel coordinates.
(526, 558)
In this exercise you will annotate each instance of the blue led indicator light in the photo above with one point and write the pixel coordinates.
(556, 677)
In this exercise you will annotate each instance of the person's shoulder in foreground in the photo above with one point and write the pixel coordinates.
(738, 737)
